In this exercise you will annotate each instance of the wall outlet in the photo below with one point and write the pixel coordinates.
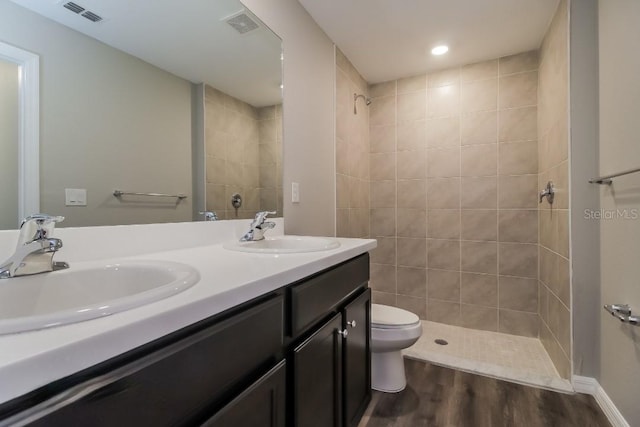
(295, 192)
(75, 196)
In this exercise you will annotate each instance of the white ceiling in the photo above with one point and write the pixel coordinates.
(187, 38)
(390, 39)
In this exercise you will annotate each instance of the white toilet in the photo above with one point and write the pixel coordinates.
(392, 329)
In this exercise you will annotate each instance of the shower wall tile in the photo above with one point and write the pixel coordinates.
(443, 132)
(518, 63)
(385, 252)
(517, 158)
(354, 139)
(479, 224)
(443, 285)
(383, 278)
(411, 135)
(412, 282)
(382, 112)
(383, 222)
(517, 293)
(518, 259)
(443, 163)
(382, 140)
(479, 160)
(479, 257)
(443, 312)
(443, 224)
(443, 101)
(520, 226)
(412, 252)
(479, 128)
(518, 323)
(411, 194)
(480, 95)
(411, 164)
(479, 192)
(519, 90)
(552, 121)
(518, 124)
(411, 223)
(443, 254)
(382, 89)
(479, 71)
(413, 84)
(443, 78)
(477, 317)
(479, 289)
(518, 192)
(411, 106)
(453, 171)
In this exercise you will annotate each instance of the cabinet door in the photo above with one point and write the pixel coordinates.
(180, 384)
(261, 405)
(317, 366)
(357, 358)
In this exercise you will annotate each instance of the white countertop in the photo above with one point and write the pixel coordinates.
(30, 360)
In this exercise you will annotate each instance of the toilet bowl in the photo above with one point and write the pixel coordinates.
(392, 329)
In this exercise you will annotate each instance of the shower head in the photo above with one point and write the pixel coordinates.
(367, 101)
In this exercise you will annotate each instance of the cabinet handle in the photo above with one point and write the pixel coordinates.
(352, 323)
(343, 332)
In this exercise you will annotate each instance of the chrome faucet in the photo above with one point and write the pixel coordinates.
(258, 227)
(35, 249)
(210, 216)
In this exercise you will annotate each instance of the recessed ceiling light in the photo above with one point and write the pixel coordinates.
(440, 50)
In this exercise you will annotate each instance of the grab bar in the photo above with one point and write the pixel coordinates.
(622, 312)
(607, 178)
(120, 193)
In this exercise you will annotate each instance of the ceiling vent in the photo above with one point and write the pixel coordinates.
(242, 22)
(76, 8)
(92, 16)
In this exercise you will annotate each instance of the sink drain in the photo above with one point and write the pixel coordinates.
(440, 341)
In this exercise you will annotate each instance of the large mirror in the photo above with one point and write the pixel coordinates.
(177, 98)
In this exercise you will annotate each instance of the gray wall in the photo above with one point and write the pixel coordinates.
(8, 145)
(309, 76)
(108, 121)
(585, 234)
(619, 32)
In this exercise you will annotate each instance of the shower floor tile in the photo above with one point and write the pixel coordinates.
(518, 359)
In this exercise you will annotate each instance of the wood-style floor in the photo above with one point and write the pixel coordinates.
(437, 396)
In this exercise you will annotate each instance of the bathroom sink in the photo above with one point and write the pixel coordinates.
(284, 245)
(88, 291)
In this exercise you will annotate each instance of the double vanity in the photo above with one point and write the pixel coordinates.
(200, 330)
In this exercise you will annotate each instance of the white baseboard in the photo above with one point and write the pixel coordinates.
(591, 386)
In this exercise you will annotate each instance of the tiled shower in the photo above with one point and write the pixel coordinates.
(456, 160)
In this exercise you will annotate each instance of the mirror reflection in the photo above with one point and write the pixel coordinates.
(8, 144)
(179, 98)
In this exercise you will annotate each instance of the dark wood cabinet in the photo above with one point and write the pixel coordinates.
(296, 357)
(332, 366)
(357, 358)
(261, 405)
(317, 377)
(180, 384)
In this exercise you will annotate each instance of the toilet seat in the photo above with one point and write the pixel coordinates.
(386, 317)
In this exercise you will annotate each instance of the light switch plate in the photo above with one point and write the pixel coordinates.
(75, 196)
(295, 192)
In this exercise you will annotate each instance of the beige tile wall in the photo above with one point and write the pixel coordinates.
(270, 149)
(454, 167)
(243, 145)
(554, 277)
(352, 153)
